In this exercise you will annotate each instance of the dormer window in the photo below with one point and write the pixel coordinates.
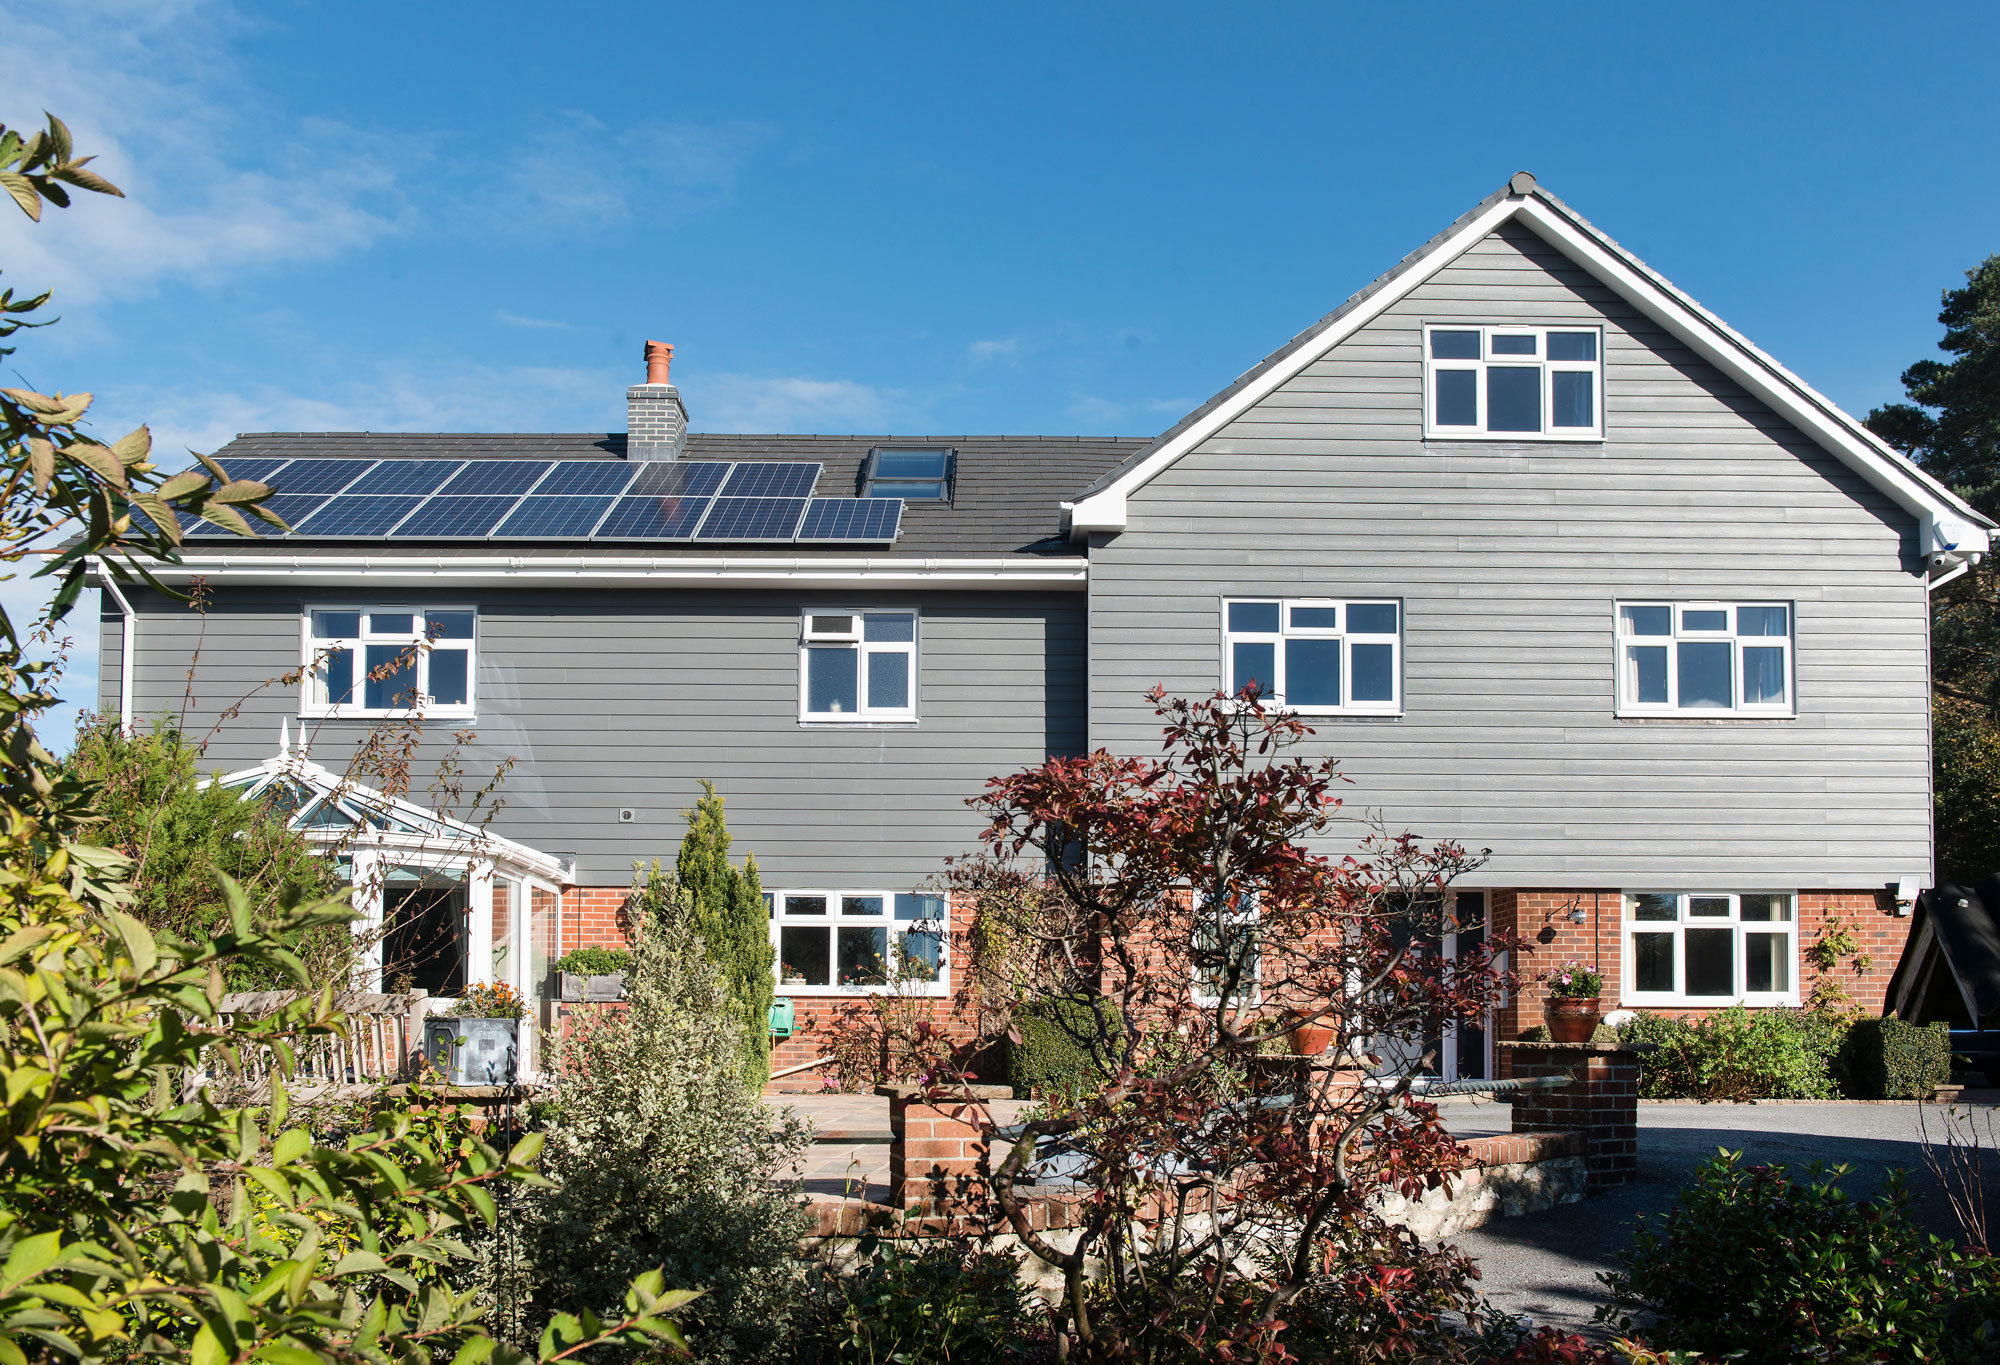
(915, 475)
(1513, 383)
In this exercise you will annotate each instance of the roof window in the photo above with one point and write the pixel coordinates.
(914, 475)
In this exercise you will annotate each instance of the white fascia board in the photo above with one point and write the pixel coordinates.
(1944, 521)
(1106, 510)
(1065, 572)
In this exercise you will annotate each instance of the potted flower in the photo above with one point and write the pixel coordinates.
(1306, 1039)
(477, 1040)
(1573, 1008)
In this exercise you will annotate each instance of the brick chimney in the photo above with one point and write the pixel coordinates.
(656, 421)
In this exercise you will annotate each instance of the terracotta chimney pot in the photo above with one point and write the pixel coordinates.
(659, 355)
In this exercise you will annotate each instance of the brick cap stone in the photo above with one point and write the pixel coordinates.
(1606, 1049)
(945, 1094)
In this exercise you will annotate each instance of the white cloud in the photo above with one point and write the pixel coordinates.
(501, 315)
(218, 183)
(739, 402)
(1000, 350)
(671, 167)
(1103, 415)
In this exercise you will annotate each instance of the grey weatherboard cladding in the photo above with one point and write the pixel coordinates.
(1508, 557)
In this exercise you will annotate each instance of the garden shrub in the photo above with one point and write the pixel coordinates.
(660, 1157)
(594, 961)
(734, 925)
(154, 809)
(934, 1301)
(1754, 1266)
(1055, 1053)
(1894, 1059)
(1738, 1054)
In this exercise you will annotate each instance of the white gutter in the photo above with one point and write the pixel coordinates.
(126, 638)
(1064, 572)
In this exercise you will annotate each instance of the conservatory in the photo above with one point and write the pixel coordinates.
(443, 904)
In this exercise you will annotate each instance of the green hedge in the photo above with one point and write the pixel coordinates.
(1893, 1059)
(594, 961)
(1739, 1054)
(1054, 1056)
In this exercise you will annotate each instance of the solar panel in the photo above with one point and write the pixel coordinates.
(321, 476)
(851, 519)
(568, 517)
(679, 478)
(407, 476)
(293, 507)
(652, 518)
(587, 476)
(257, 467)
(450, 517)
(771, 480)
(358, 514)
(753, 518)
(498, 476)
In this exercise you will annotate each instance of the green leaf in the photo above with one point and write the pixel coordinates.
(29, 1258)
(24, 194)
(292, 1144)
(476, 1351)
(207, 1348)
(137, 940)
(359, 1263)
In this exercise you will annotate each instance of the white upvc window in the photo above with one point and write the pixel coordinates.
(859, 942)
(858, 665)
(1228, 943)
(1513, 383)
(1705, 658)
(389, 661)
(1321, 656)
(1711, 948)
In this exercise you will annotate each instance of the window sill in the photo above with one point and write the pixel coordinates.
(791, 990)
(1699, 718)
(1637, 1000)
(1515, 438)
(371, 716)
(859, 723)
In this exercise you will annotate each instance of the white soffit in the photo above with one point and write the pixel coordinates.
(1947, 525)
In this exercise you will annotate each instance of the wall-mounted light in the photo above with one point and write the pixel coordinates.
(1577, 915)
(1905, 891)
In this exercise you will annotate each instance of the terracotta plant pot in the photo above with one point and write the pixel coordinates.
(1572, 1019)
(1310, 1040)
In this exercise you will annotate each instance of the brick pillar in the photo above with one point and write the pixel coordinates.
(938, 1158)
(1601, 1102)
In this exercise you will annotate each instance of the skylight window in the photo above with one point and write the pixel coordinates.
(913, 475)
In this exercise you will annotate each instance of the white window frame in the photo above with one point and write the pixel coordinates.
(313, 702)
(811, 639)
(1487, 359)
(1631, 996)
(1275, 693)
(1626, 671)
(831, 922)
(1247, 910)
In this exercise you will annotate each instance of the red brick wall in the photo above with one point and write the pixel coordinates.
(593, 917)
(1546, 915)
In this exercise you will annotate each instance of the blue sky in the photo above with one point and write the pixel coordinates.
(936, 218)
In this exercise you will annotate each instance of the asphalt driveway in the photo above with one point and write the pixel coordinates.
(1546, 1264)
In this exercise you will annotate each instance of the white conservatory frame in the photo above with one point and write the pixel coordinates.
(377, 832)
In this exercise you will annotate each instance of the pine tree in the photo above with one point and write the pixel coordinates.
(729, 914)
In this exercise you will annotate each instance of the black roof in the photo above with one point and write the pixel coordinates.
(1005, 496)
